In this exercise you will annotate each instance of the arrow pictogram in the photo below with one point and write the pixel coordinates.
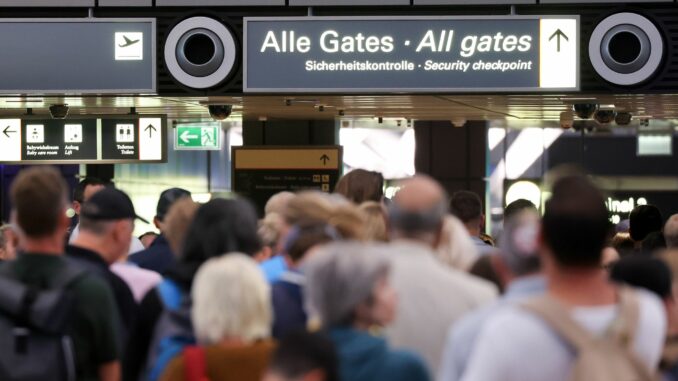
(150, 130)
(558, 34)
(324, 158)
(187, 137)
(7, 131)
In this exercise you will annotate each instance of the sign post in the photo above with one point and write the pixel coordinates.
(261, 172)
(411, 54)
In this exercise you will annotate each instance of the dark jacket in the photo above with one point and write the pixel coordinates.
(363, 357)
(158, 257)
(288, 304)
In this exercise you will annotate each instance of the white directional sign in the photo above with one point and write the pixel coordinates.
(150, 139)
(558, 51)
(10, 139)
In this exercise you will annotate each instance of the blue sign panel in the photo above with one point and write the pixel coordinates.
(385, 54)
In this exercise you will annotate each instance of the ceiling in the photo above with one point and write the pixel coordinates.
(515, 108)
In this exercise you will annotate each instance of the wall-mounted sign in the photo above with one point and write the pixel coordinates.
(77, 56)
(83, 141)
(260, 172)
(412, 54)
(206, 137)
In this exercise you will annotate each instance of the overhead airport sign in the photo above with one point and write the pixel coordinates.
(77, 56)
(206, 137)
(260, 172)
(412, 54)
(83, 141)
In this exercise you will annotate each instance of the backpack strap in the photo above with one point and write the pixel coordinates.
(558, 318)
(195, 364)
(623, 328)
(67, 276)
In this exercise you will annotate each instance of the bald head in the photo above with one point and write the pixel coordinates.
(420, 193)
(671, 232)
(418, 210)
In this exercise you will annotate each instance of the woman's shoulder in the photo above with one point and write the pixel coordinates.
(404, 365)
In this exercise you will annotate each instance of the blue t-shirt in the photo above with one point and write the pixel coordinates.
(273, 268)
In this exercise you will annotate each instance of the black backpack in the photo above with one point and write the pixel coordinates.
(34, 343)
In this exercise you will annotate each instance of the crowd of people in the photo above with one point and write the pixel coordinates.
(348, 286)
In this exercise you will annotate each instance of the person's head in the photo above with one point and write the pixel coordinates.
(269, 235)
(623, 243)
(148, 238)
(8, 242)
(278, 203)
(518, 254)
(643, 220)
(306, 236)
(518, 206)
(468, 207)
(360, 185)
(304, 356)
(652, 243)
(645, 272)
(347, 285)
(39, 196)
(219, 226)
(321, 208)
(418, 211)
(484, 269)
(177, 221)
(375, 222)
(575, 225)
(231, 301)
(167, 198)
(671, 232)
(84, 190)
(107, 224)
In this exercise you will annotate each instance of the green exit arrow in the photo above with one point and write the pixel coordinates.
(186, 137)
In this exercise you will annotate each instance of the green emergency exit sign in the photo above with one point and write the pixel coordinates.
(197, 137)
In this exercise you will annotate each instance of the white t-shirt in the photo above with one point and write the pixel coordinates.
(517, 345)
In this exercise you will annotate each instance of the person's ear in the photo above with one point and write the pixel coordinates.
(76, 207)
(157, 223)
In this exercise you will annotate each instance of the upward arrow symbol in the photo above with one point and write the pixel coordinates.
(558, 34)
(150, 130)
(324, 158)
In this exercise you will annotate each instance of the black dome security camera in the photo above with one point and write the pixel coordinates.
(585, 110)
(58, 111)
(605, 116)
(220, 112)
(623, 118)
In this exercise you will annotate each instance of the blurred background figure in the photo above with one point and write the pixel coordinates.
(623, 243)
(375, 221)
(159, 256)
(303, 356)
(287, 292)
(669, 363)
(643, 220)
(517, 207)
(164, 328)
(671, 232)
(231, 316)
(81, 193)
(359, 186)
(148, 238)
(349, 290)
(269, 234)
(276, 209)
(518, 268)
(9, 242)
(456, 249)
(468, 208)
(432, 296)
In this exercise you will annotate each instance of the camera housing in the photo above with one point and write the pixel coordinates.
(59, 111)
(623, 118)
(220, 112)
(605, 116)
(585, 110)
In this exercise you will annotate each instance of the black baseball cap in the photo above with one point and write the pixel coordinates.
(167, 198)
(109, 204)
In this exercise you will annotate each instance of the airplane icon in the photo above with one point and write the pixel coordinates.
(128, 42)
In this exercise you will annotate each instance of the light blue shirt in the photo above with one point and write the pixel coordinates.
(274, 268)
(462, 336)
(482, 246)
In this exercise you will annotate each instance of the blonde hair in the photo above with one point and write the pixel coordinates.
(177, 221)
(231, 299)
(375, 221)
(317, 207)
(269, 229)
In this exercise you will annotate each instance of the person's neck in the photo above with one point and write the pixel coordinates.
(92, 243)
(473, 230)
(51, 245)
(581, 286)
